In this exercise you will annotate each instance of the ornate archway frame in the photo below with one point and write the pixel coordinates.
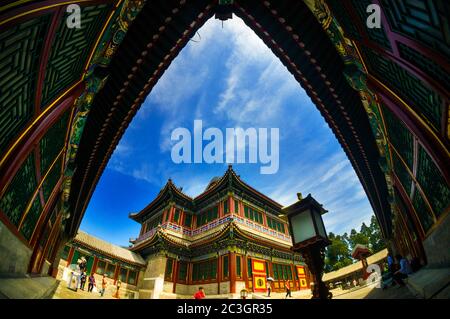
(355, 73)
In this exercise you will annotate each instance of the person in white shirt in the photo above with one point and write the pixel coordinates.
(403, 272)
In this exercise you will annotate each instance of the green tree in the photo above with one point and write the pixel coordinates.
(358, 238)
(376, 241)
(337, 254)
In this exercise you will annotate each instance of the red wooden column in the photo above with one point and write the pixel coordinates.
(116, 273)
(293, 276)
(194, 221)
(175, 274)
(189, 273)
(221, 209)
(70, 256)
(182, 217)
(94, 265)
(232, 271)
(264, 218)
(230, 204)
(165, 215)
(241, 208)
(270, 266)
(245, 270)
(219, 273)
(171, 212)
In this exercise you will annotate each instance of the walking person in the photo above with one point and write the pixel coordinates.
(116, 295)
(104, 284)
(269, 287)
(83, 280)
(287, 284)
(91, 283)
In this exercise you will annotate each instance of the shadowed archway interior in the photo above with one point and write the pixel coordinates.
(90, 93)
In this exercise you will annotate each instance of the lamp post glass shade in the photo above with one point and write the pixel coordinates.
(307, 225)
(302, 227)
(319, 224)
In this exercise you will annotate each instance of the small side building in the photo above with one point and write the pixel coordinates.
(116, 262)
(355, 271)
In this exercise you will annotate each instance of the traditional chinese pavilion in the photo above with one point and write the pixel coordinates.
(228, 238)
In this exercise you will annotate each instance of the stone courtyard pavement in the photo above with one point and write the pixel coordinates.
(62, 292)
(368, 292)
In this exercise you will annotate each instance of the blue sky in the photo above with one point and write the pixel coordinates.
(227, 78)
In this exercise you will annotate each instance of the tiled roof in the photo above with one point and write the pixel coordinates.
(375, 258)
(108, 249)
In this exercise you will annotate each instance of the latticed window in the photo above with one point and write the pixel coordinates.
(275, 225)
(182, 272)
(176, 216)
(101, 266)
(169, 268)
(249, 267)
(282, 272)
(123, 274)
(253, 214)
(238, 266)
(187, 220)
(225, 267)
(65, 253)
(207, 216)
(154, 223)
(110, 269)
(205, 270)
(236, 206)
(132, 277)
(225, 207)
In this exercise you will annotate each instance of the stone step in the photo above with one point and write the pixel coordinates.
(430, 282)
(28, 287)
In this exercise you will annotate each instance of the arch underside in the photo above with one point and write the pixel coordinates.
(383, 92)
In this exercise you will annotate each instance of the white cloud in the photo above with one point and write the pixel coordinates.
(254, 93)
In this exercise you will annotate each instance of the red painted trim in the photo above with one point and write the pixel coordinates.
(395, 37)
(37, 166)
(52, 201)
(418, 73)
(409, 206)
(38, 256)
(437, 153)
(32, 137)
